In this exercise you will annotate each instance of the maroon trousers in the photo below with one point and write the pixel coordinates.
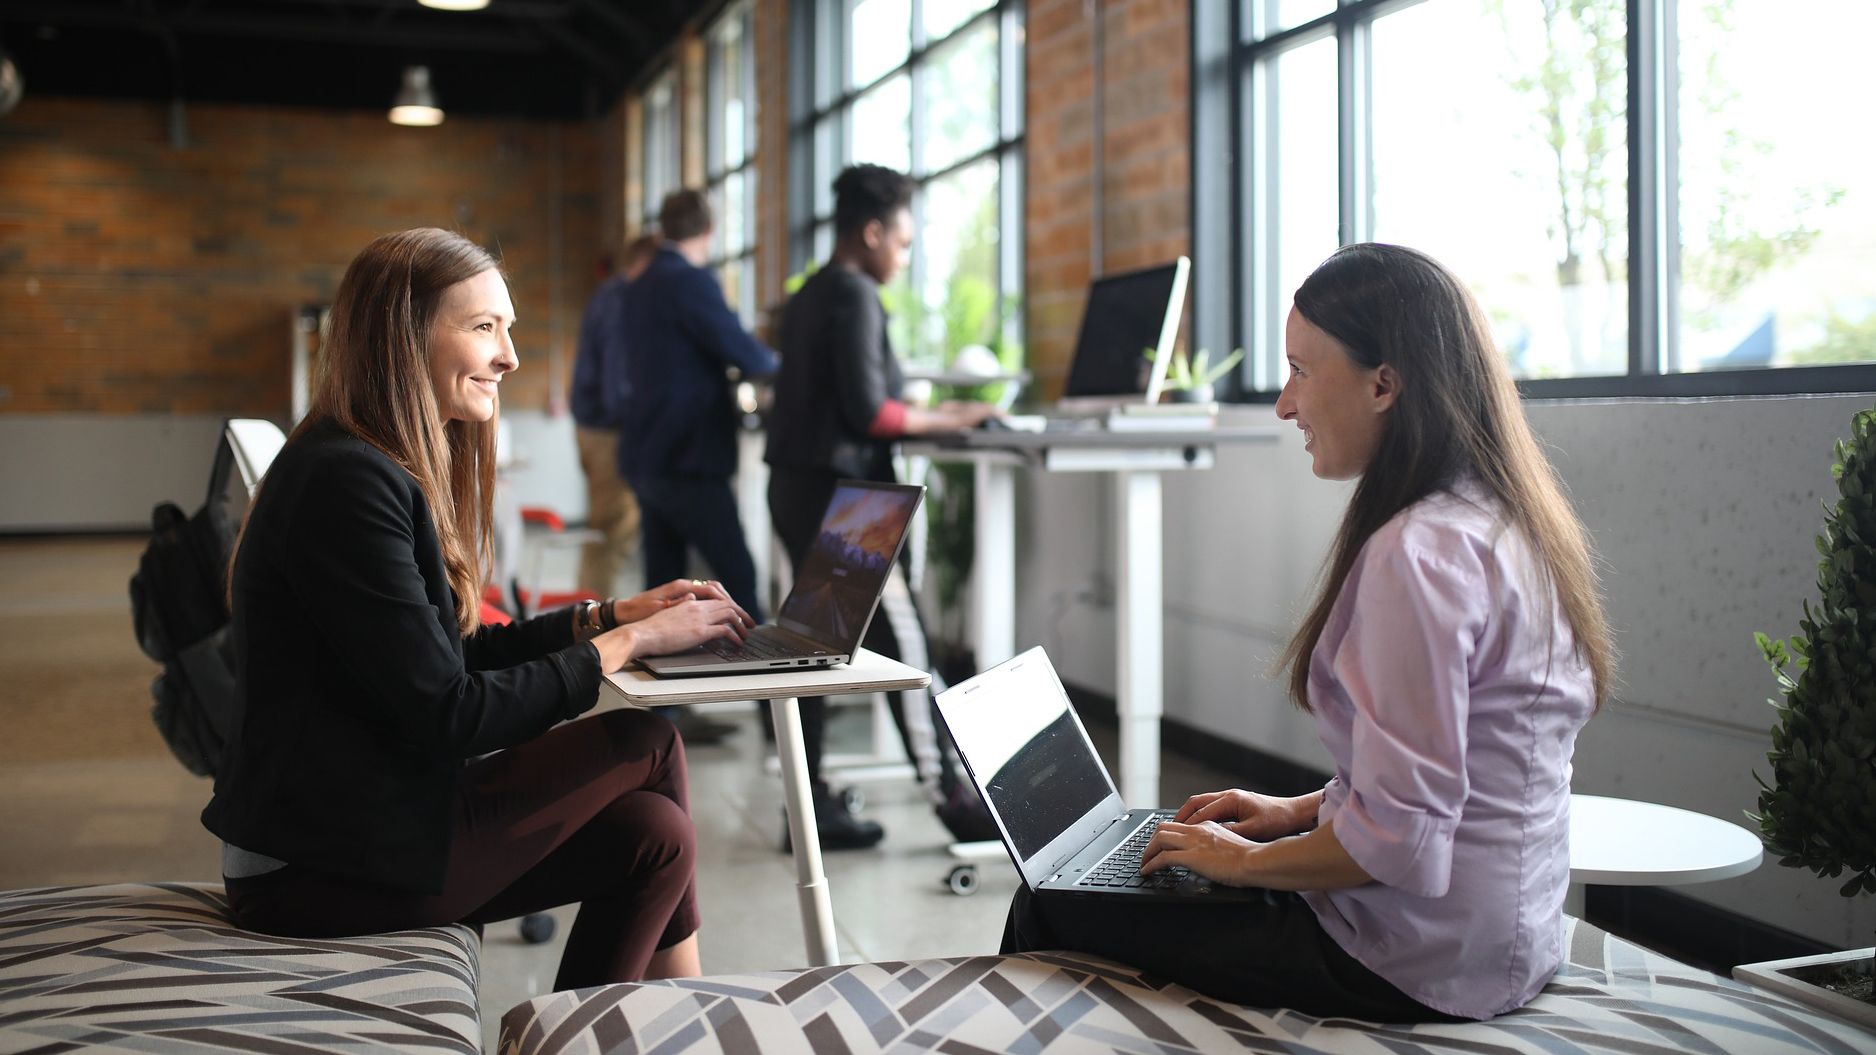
(595, 811)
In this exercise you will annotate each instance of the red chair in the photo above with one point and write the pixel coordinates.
(528, 600)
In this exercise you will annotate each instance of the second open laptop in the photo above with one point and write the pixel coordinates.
(1055, 806)
(824, 618)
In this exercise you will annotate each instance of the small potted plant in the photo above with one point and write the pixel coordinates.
(1192, 380)
(1819, 809)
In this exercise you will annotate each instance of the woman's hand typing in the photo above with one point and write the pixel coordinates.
(686, 623)
(658, 598)
(1253, 816)
(1210, 849)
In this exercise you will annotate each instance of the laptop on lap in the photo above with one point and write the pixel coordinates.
(1055, 805)
(824, 618)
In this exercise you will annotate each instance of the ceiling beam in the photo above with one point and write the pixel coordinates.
(268, 27)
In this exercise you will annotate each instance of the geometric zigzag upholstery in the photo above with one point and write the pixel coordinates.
(159, 967)
(1611, 997)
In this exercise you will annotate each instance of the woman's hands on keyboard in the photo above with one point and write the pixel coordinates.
(1246, 813)
(677, 591)
(1208, 849)
(686, 624)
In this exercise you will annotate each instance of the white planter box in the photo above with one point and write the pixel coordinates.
(1774, 975)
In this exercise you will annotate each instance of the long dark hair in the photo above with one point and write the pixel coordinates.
(1457, 416)
(374, 382)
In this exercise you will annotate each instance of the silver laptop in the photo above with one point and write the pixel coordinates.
(824, 617)
(1060, 817)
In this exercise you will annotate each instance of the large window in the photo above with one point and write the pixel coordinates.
(933, 88)
(730, 151)
(1645, 195)
(663, 165)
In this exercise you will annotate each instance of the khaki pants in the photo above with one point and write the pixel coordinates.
(611, 510)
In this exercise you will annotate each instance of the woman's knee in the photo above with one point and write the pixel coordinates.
(636, 731)
(666, 835)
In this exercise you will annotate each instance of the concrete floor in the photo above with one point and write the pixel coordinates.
(92, 795)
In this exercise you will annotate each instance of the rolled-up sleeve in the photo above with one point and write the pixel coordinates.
(1404, 666)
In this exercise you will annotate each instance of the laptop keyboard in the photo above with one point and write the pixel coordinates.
(1121, 867)
(757, 645)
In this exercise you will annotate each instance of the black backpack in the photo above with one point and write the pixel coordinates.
(178, 605)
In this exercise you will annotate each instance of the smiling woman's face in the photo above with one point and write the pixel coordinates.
(1339, 404)
(470, 347)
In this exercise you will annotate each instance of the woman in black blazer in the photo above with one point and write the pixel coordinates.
(397, 764)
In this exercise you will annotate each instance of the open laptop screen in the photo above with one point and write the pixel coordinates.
(1042, 774)
(847, 565)
(1126, 315)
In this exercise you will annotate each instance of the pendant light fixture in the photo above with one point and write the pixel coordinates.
(455, 5)
(415, 104)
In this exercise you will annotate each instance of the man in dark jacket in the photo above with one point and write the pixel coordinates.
(597, 392)
(677, 428)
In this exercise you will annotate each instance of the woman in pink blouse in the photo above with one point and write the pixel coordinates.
(1457, 646)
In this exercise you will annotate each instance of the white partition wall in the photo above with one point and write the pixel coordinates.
(1703, 513)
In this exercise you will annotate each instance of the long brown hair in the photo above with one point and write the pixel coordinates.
(1457, 416)
(375, 383)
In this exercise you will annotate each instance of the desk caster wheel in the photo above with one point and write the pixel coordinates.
(962, 880)
(537, 928)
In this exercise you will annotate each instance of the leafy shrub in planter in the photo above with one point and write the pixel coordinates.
(1819, 809)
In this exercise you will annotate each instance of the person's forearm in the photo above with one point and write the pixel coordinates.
(1308, 808)
(616, 647)
(922, 420)
(1312, 861)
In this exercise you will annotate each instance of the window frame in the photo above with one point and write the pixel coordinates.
(717, 172)
(1229, 257)
(820, 108)
(667, 77)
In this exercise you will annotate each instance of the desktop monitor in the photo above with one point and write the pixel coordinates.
(1126, 315)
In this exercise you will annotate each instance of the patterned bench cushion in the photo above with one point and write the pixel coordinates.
(159, 967)
(1611, 997)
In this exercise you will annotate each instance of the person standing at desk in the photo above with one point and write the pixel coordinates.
(1456, 647)
(839, 406)
(396, 764)
(597, 396)
(677, 437)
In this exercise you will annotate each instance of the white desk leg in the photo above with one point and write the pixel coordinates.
(993, 575)
(1139, 619)
(817, 908)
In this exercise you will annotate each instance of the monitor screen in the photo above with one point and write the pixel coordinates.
(1125, 317)
(846, 567)
(1022, 742)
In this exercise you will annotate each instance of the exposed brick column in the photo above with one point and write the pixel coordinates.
(1146, 148)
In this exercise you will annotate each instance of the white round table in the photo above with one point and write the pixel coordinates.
(1622, 842)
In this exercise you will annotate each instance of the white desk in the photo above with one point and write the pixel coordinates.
(869, 672)
(1622, 842)
(1135, 460)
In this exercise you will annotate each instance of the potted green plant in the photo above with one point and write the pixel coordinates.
(1818, 811)
(1192, 380)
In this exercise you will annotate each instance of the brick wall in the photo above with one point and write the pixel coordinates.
(1145, 188)
(136, 277)
(771, 18)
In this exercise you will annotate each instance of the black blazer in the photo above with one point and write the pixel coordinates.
(838, 369)
(359, 699)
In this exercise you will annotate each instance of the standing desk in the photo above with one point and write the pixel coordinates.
(1135, 460)
(868, 672)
